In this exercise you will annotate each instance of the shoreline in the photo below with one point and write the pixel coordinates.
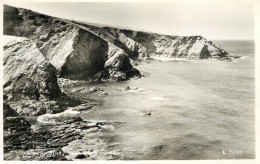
(55, 131)
(66, 127)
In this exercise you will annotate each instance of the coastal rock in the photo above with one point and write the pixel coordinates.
(68, 83)
(8, 111)
(96, 90)
(138, 50)
(192, 47)
(130, 89)
(40, 141)
(16, 124)
(80, 156)
(83, 107)
(15, 130)
(30, 82)
(76, 52)
(34, 107)
(90, 51)
(148, 114)
(27, 74)
(118, 64)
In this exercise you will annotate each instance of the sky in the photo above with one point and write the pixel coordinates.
(215, 20)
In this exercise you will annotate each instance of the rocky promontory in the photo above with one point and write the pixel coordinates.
(81, 51)
(76, 52)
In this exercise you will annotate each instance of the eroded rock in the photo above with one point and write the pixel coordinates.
(27, 74)
(74, 50)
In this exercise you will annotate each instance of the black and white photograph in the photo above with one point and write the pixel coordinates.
(122, 80)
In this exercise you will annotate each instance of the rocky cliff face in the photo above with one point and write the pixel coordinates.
(76, 53)
(73, 50)
(30, 82)
(192, 47)
(26, 72)
(143, 45)
(118, 64)
(134, 49)
(83, 51)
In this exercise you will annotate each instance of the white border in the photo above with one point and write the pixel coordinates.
(257, 89)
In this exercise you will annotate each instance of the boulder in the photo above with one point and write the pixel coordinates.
(118, 64)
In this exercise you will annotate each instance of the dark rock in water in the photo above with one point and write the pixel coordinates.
(101, 75)
(158, 148)
(81, 156)
(96, 90)
(225, 59)
(78, 89)
(105, 93)
(127, 88)
(148, 114)
(83, 107)
(235, 56)
(8, 111)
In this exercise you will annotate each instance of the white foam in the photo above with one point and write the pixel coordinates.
(131, 89)
(160, 98)
(162, 58)
(108, 127)
(136, 90)
(48, 118)
(243, 57)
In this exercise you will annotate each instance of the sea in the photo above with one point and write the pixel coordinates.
(180, 110)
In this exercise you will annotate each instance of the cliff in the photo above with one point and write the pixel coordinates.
(30, 82)
(73, 50)
(144, 45)
(82, 51)
(26, 71)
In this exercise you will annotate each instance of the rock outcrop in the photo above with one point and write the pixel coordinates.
(113, 35)
(118, 64)
(40, 141)
(138, 50)
(27, 73)
(142, 45)
(192, 47)
(30, 82)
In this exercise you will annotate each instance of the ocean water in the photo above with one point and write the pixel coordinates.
(187, 110)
